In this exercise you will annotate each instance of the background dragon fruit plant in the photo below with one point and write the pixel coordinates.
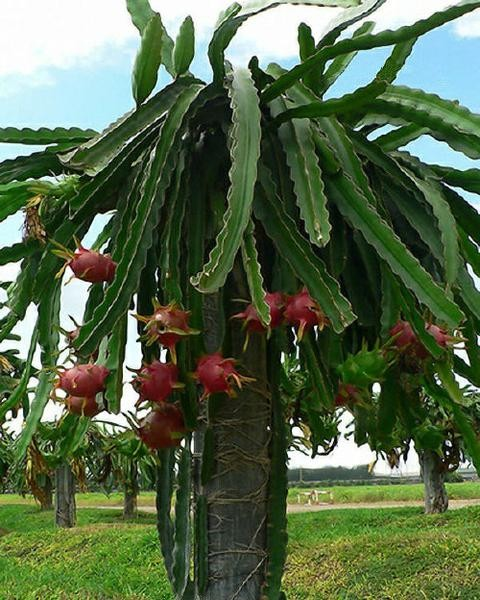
(250, 185)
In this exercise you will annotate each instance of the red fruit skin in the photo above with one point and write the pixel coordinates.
(162, 427)
(156, 381)
(405, 336)
(276, 303)
(408, 342)
(251, 319)
(169, 340)
(85, 407)
(441, 336)
(165, 318)
(92, 266)
(217, 374)
(303, 312)
(347, 393)
(83, 380)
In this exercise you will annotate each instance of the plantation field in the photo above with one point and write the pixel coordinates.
(387, 493)
(362, 554)
(340, 495)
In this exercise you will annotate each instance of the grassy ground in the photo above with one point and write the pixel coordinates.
(388, 493)
(340, 495)
(381, 554)
(86, 500)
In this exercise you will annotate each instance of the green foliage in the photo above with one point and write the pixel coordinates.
(277, 536)
(59, 135)
(298, 253)
(364, 368)
(296, 137)
(36, 165)
(253, 272)
(155, 178)
(148, 60)
(114, 362)
(13, 197)
(184, 49)
(244, 140)
(141, 14)
(235, 16)
(332, 186)
(341, 63)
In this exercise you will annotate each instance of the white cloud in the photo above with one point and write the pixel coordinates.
(273, 34)
(468, 26)
(38, 37)
(58, 33)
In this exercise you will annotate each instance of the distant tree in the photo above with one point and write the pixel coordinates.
(119, 460)
(428, 427)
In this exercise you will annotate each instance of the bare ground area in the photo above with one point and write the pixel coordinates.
(300, 508)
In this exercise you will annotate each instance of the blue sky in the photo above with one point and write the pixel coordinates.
(65, 65)
(90, 92)
(93, 88)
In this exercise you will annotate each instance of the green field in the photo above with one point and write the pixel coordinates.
(375, 554)
(340, 495)
(388, 493)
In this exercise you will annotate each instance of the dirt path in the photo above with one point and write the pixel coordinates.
(302, 508)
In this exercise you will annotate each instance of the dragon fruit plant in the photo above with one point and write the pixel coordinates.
(304, 313)
(256, 179)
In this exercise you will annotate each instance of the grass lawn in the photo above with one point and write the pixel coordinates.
(340, 494)
(362, 554)
(91, 499)
(389, 493)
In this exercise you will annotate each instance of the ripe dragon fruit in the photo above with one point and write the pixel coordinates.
(92, 266)
(83, 380)
(163, 427)
(404, 335)
(156, 381)
(407, 342)
(168, 325)
(218, 375)
(84, 406)
(276, 303)
(303, 312)
(87, 265)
